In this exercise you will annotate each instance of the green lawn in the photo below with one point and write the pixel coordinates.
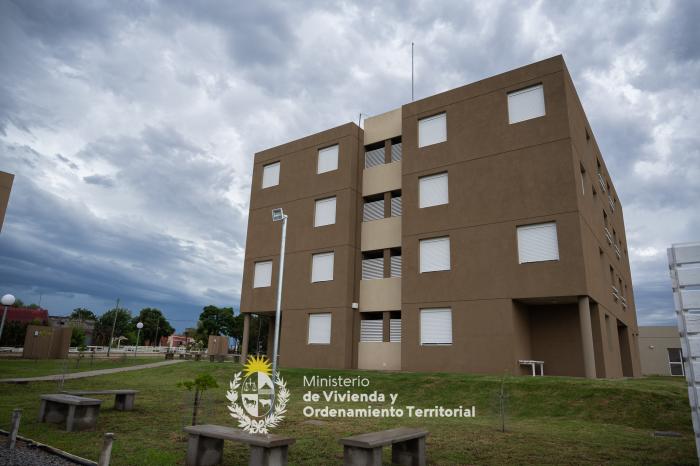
(17, 367)
(551, 420)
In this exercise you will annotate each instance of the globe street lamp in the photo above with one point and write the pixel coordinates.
(7, 300)
(138, 334)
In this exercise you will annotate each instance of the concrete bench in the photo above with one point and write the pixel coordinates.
(77, 412)
(407, 447)
(533, 365)
(124, 400)
(205, 446)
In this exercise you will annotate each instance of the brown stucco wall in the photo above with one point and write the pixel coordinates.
(296, 193)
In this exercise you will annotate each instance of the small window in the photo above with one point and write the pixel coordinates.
(322, 267)
(432, 130)
(325, 212)
(675, 361)
(372, 265)
(526, 104)
(372, 327)
(271, 175)
(436, 326)
(395, 327)
(434, 254)
(373, 208)
(583, 179)
(538, 243)
(395, 263)
(263, 274)
(319, 329)
(327, 159)
(433, 190)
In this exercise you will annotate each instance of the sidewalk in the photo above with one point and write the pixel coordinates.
(80, 375)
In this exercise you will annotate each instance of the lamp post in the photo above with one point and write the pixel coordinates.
(138, 334)
(7, 300)
(278, 215)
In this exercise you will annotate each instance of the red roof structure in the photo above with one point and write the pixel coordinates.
(26, 315)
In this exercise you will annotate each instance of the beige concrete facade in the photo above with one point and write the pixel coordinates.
(382, 356)
(381, 234)
(6, 180)
(380, 295)
(654, 343)
(575, 312)
(381, 179)
(382, 127)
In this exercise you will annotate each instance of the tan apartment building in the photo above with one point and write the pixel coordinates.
(6, 180)
(467, 231)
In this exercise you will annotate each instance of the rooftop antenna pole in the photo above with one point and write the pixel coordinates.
(411, 71)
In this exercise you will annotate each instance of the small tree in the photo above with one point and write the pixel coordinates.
(200, 384)
(77, 337)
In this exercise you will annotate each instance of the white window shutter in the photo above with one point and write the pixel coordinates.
(262, 274)
(325, 212)
(436, 326)
(319, 329)
(322, 267)
(432, 130)
(271, 175)
(526, 104)
(433, 190)
(372, 330)
(538, 243)
(327, 159)
(395, 330)
(434, 254)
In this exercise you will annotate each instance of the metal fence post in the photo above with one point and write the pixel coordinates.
(106, 452)
(12, 438)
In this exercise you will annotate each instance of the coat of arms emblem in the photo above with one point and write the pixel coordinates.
(263, 401)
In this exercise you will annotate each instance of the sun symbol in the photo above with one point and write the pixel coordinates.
(257, 364)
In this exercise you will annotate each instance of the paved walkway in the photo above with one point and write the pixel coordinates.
(81, 375)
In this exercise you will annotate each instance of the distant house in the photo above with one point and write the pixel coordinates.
(173, 341)
(88, 326)
(26, 315)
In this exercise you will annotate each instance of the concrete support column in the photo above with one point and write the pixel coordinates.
(246, 337)
(386, 326)
(584, 315)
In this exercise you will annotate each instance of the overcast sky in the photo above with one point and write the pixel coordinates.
(131, 126)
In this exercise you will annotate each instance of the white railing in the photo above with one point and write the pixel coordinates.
(608, 236)
(615, 292)
(602, 182)
(617, 251)
(396, 152)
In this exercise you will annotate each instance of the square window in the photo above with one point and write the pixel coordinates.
(526, 104)
(322, 267)
(327, 159)
(271, 175)
(538, 243)
(434, 254)
(436, 326)
(325, 212)
(432, 130)
(319, 329)
(262, 274)
(433, 190)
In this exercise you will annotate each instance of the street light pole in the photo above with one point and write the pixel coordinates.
(7, 300)
(277, 215)
(114, 324)
(138, 334)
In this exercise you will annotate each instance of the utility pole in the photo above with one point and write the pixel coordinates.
(114, 324)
